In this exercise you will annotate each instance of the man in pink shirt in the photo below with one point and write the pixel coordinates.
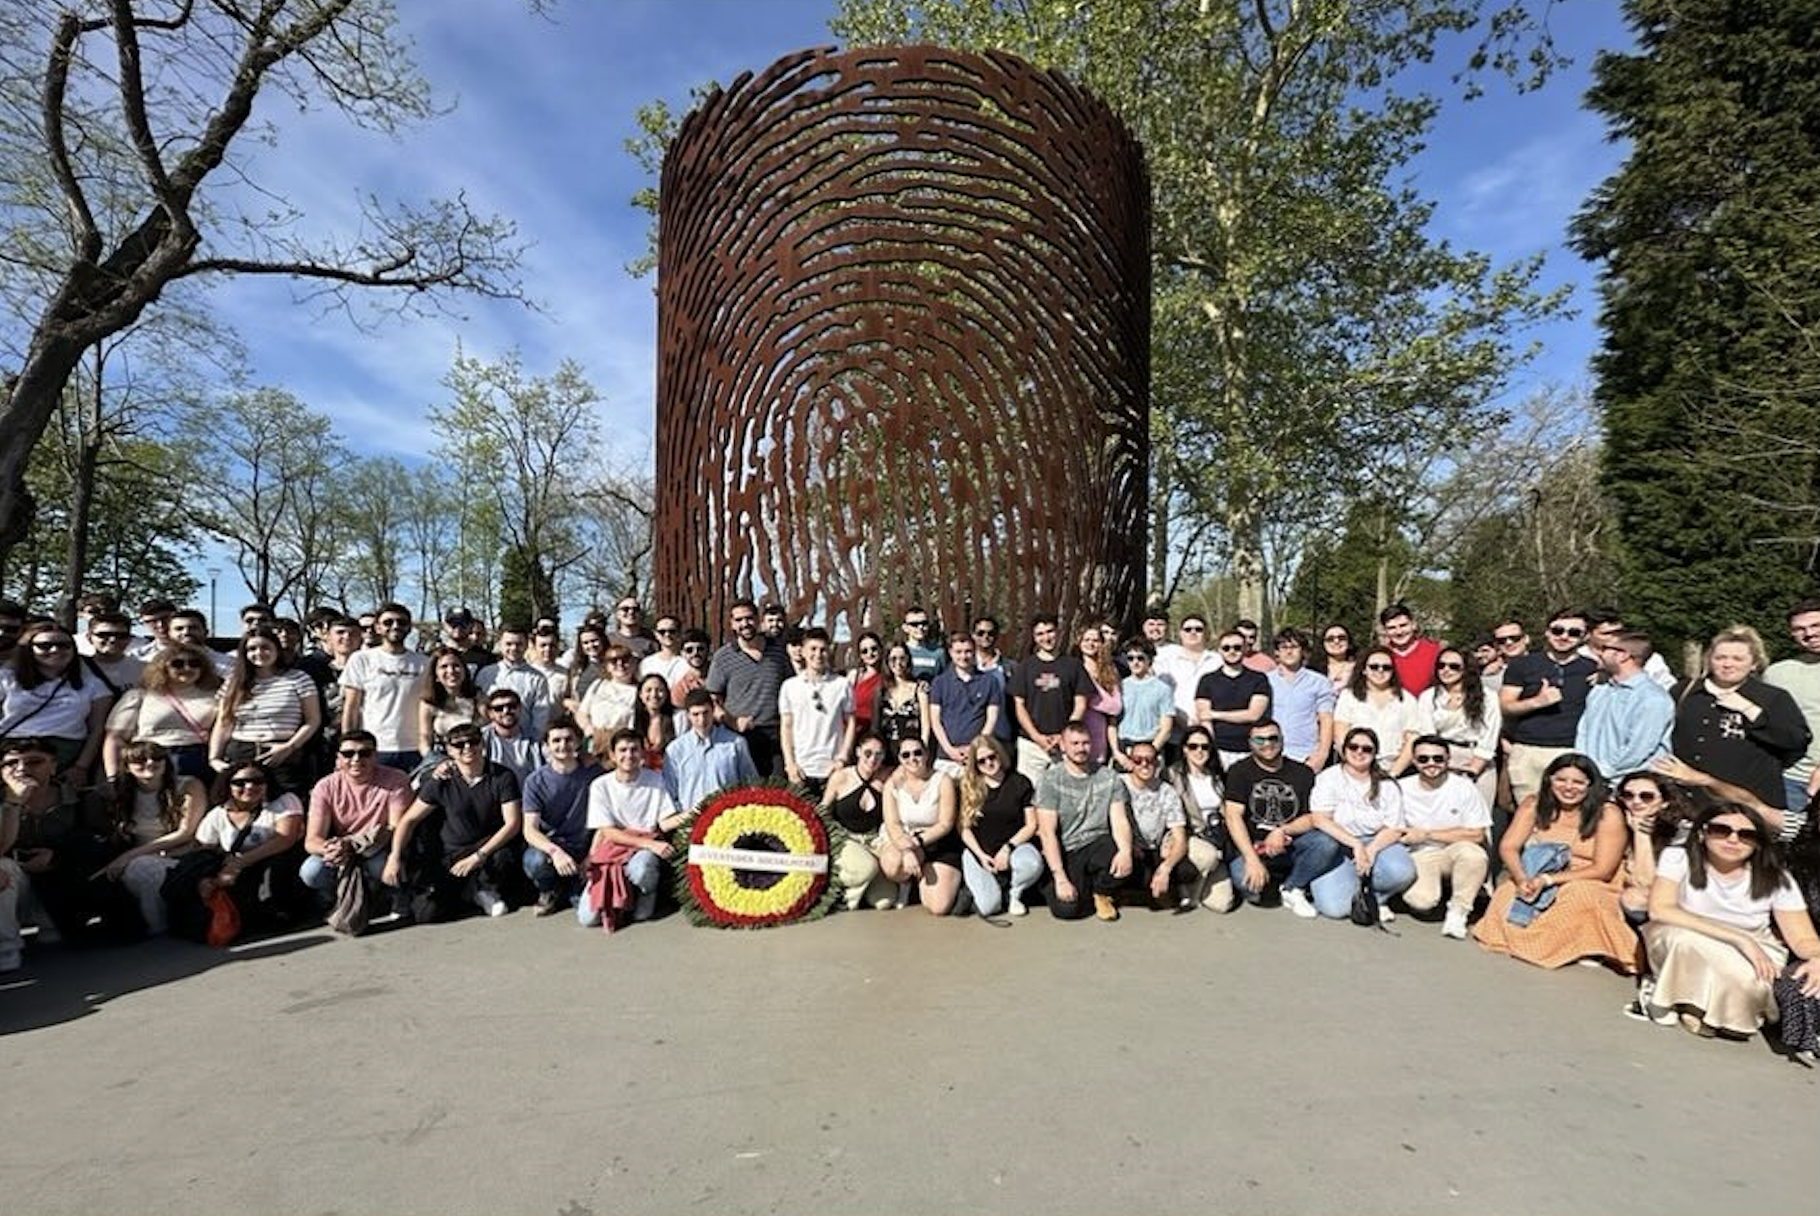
(1413, 654)
(360, 794)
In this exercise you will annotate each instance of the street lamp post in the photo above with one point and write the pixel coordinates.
(214, 574)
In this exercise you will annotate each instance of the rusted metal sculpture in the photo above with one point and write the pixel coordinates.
(903, 319)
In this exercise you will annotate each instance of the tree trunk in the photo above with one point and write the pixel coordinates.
(82, 494)
(31, 399)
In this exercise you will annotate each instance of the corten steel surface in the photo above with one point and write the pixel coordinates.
(903, 319)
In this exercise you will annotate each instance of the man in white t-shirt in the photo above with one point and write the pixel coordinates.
(668, 659)
(1445, 821)
(631, 807)
(381, 687)
(815, 718)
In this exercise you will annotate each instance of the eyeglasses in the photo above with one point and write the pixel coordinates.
(661, 632)
(985, 633)
(1266, 740)
(50, 647)
(1363, 749)
(1194, 629)
(1566, 631)
(110, 635)
(243, 782)
(1379, 667)
(357, 753)
(694, 648)
(1450, 665)
(916, 624)
(1725, 831)
(911, 753)
(184, 665)
(986, 758)
(393, 622)
(1432, 759)
(1197, 747)
(502, 709)
(1143, 761)
(1137, 656)
(462, 745)
(1640, 796)
(1336, 637)
(1231, 649)
(1507, 639)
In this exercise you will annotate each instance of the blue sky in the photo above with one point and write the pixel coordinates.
(543, 106)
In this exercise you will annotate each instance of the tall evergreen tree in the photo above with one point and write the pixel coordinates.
(1708, 382)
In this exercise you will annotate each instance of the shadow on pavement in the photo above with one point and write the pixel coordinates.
(58, 984)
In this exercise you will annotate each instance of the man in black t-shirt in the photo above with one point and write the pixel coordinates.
(474, 853)
(1542, 697)
(1266, 813)
(1048, 691)
(1231, 699)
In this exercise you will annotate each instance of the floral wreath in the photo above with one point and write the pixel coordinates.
(789, 844)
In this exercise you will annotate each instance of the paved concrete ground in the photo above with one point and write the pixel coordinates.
(878, 1062)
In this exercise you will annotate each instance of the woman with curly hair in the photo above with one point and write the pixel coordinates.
(174, 707)
(450, 699)
(155, 811)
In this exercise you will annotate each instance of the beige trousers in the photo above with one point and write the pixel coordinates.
(1460, 866)
(1527, 760)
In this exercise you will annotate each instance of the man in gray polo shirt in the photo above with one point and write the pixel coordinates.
(1083, 818)
(745, 676)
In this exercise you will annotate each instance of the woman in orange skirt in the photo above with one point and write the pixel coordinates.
(1557, 906)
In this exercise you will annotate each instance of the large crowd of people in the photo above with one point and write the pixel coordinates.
(1568, 802)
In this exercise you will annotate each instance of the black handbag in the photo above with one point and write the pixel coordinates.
(1365, 904)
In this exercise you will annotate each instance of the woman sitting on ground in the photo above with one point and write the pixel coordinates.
(1358, 811)
(253, 827)
(1711, 946)
(156, 811)
(856, 798)
(922, 841)
(1562, 855)
(1657, 816)
(998, 825)
(1197, 778)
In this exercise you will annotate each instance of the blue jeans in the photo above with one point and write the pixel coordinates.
(983, 884)
(644, 870)
(1393, 871)
(1276, 870)
(542, 873)
(1311, 855)
(319, 875)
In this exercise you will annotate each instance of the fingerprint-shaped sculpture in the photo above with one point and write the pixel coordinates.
(903, 318)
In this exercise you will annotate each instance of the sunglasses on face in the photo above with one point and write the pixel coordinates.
(1450, 665)
(184, 665)
(462, 745)
(1725, 831)
(661, 632)
(1231, 649)
(1512, 640)
(911, 753)
(1143, 761)
(1196, 747)
(985, 633)
(1379, 667)
(1363, 749)
(50, 647)
(694, 648)
(1566, 631)
(356, 753)
(503, 709)
(1194, 629)
(1136, 657)
(111, 635)
(1266, 740)
(244, 782)
(1441, 759)
(986, 758)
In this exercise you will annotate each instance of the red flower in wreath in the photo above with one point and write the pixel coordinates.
(758, 855)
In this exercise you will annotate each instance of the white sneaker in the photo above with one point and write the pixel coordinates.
(884, 904)
(1454, 925)
(1016, 908)
(1297, 901)
(1385, 915)
(488, 901)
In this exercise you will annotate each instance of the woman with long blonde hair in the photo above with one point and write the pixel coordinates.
(998, 826)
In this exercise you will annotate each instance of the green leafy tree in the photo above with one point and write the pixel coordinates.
(124, 135)
(1304, 313)
(1709, 244)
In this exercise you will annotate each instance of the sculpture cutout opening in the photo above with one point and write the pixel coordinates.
(903, 318)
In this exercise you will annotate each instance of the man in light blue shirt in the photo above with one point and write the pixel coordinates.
(1628, 715)
(708, 758)
(1301, 702)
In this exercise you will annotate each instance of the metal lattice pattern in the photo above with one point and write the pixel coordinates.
(903, 315)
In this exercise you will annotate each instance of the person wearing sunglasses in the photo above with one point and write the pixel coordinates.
(252, 830)
(155, 811)
(110, 637)
(1265, 815)
(45, 693)
(1182, 663)
(1148, 700)
(1358, 817)
(516, 673)
(1558, 902)
(472, 856)
(55, 840)
(1628, 715)
(1377, 701)
(1657, 814)
(1446, 820)
(351, 815)
(1713, 951)
(1543, 697)
(922, 841)
(1231, 698)
(1740, 730)
(174, 707)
